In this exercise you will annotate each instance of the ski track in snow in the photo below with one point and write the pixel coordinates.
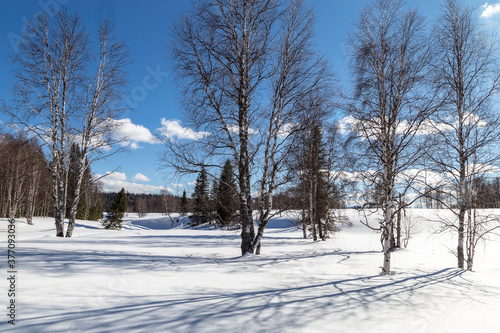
(156, 275)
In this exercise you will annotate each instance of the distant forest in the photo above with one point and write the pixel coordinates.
(145, 203)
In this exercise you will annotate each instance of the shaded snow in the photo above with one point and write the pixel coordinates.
(159, 276)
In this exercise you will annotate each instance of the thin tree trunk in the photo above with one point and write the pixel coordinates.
(398, 230)
(76, 197)
(386, 268)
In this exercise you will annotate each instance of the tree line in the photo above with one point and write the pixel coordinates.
(144, 203)
(25, 187)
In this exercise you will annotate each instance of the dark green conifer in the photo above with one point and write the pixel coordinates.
(226, 196)
(118, 208)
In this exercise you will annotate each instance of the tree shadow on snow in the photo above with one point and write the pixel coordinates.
(268, 309)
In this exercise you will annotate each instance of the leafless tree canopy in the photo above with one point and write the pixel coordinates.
(390, 57)
(242, 67)
(466, 127)
(64, 93)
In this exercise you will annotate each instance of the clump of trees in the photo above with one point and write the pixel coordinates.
(90, 199)
(24, 173)
(422, 103)
(145, 203)
(25, 187)
(243, 67)
(216, 204)
(226, 197)
(67, 90)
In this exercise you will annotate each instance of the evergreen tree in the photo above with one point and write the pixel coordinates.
(201, 198)
(226, 196)
(118, 208)
(314, 183)
(212, 200)
(95, 213)
(184, 204)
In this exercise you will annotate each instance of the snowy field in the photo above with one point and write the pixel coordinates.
(153, 276)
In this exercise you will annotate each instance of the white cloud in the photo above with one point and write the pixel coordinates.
(286, 130)
(490, 10)
(132, 134)
(236, 129)
(420, 177)
(172, 129)
(116, 176)
(118, 180)
(345, 124)
(139, 177)
(370, 128)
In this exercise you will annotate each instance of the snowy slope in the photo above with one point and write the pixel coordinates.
(158, 276)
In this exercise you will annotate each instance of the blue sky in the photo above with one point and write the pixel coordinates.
(152, 94)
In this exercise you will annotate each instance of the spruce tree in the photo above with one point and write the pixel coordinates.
(314, 183)
(226, 196)
(95, 213)
(118, 208)
(184, 204)
(201, 198)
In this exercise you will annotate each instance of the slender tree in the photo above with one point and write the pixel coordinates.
(466, 127)
(300, 74)
(201, 198)
(63, 95)
(226, 196)
(95, 124)
(184, 205)
(390, 56)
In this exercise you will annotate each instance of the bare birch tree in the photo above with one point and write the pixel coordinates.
(468, 77)
(95, 125)
(300, 74)
(390, 57)
(61, 99)
(228, 56)
(49, 70)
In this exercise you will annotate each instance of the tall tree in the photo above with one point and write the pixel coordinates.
(63, 94)
(184, 205)
(243, 65)
(466, 127)
(299, 74)
(95, 124)
(389, 55)
(201, 197)
(226, 196)
(49, 69)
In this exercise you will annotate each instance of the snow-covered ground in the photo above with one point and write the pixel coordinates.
(159, 276)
